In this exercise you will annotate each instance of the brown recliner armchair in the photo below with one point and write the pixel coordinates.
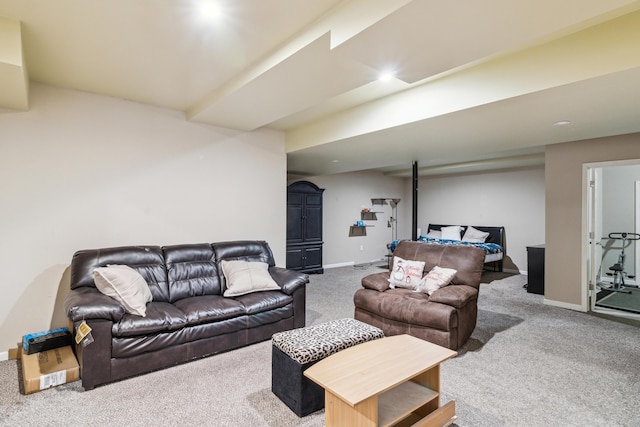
(447, 317)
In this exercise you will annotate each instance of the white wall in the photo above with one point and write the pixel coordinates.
(344, 197)
(85, 171)
(513, 199)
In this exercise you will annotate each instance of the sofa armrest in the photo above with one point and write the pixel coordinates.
(376, 281)
(288, 280)
(455, 295)
(89, 303)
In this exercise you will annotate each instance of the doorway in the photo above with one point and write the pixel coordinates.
(613, 215)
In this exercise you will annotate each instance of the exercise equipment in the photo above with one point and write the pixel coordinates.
(617, 269)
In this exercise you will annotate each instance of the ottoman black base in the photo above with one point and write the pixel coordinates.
(296, 350)
(288, 382)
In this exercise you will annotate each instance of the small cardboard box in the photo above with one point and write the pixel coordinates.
(49, 368)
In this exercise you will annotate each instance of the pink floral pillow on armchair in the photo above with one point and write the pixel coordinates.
(437, 278)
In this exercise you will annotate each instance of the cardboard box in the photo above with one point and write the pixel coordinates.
(49, 368)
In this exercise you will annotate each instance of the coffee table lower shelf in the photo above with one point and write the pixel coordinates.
(406, 398)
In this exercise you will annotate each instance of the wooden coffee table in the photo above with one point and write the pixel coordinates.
(393, 381)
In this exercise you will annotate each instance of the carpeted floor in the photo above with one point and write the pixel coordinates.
(526, 364)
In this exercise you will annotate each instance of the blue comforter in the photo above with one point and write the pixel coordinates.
(489, 248)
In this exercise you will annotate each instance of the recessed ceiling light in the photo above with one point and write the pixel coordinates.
(335, 161)
(562, 123)
(210, 9)
(385, 76)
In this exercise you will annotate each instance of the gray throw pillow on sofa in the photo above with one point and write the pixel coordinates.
(125, 285)
(244, 277)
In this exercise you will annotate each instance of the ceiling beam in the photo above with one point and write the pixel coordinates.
(307, 55)
(14, 81)
(600, 50)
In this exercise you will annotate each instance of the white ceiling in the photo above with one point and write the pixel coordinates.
(478, 85)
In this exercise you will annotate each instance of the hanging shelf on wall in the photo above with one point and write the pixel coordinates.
(368, 216)
(357, 230)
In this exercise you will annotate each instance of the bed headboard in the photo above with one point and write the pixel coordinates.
(496, 234)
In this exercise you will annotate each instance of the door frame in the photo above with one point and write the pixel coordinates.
(637, 230)
(594, 233)
(592, 223)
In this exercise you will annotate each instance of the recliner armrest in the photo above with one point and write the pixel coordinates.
(376, 281)
(89, 303)
(288, 280)
(455, 295)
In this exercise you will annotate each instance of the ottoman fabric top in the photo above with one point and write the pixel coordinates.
(312, 343)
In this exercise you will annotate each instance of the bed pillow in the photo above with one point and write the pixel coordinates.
(125, 285)
(405, 274)
(435, 279)
(452, 232)
(244, 277)
(473, 235)
(436, 234)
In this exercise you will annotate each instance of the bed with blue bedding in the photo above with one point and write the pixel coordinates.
(489, 239)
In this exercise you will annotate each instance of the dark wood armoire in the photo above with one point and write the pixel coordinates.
(304, 227)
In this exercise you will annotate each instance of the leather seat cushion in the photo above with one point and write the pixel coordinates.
(160, 317)
(132, 346)
(258, 302)
(209, 308)
(404, 305)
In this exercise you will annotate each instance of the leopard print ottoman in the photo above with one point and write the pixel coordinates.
(296, 350)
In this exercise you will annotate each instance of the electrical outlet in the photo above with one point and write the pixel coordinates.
(361, 247)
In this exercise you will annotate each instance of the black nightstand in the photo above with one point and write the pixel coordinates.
(535, 267)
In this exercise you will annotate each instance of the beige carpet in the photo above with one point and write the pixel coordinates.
(527, 364)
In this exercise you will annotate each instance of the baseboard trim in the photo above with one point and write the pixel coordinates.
(4, 356)
(574, 307)
(340, 264)
(352, 263)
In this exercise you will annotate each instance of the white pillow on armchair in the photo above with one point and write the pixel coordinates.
(435, 279)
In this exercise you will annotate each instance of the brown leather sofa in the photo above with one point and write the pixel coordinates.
(447, 317)
(188, 317)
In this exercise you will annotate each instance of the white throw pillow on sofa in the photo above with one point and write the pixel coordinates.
(125, 285)
(244, 277)
(435, 279)
(405, 274)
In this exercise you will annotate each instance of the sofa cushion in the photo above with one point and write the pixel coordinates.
(161, 317)
(192, 270)
(146, 260)
(209, 308)
(468, 261)
(170, 341)
(263, 301)
(376, 281)
(455, 296)
(406, 306)
(125, 285)
(244, 277)
(288, 280)
(245, 250)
